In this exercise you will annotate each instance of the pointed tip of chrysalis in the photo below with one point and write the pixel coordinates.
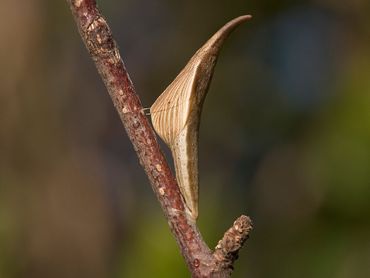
(217, 40)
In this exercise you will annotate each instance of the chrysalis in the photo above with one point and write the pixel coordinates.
(176, 113)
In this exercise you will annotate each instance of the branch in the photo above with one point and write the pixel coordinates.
(201, 261)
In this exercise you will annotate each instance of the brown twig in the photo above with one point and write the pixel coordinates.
(201, 261)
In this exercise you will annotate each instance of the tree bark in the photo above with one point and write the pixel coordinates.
(201, 261)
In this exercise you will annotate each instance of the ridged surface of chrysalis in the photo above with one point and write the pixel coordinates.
(176, 113)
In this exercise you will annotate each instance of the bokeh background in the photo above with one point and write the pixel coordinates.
(285, 138)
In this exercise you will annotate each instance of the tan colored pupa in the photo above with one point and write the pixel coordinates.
(176, 113)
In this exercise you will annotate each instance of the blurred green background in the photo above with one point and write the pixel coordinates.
(285, 138)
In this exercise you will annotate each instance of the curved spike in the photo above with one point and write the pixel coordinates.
(176, 113)
(217, 40)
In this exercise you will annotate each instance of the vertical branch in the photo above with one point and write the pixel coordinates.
(98, 40)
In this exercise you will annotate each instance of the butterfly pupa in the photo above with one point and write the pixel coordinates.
(176, 113)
